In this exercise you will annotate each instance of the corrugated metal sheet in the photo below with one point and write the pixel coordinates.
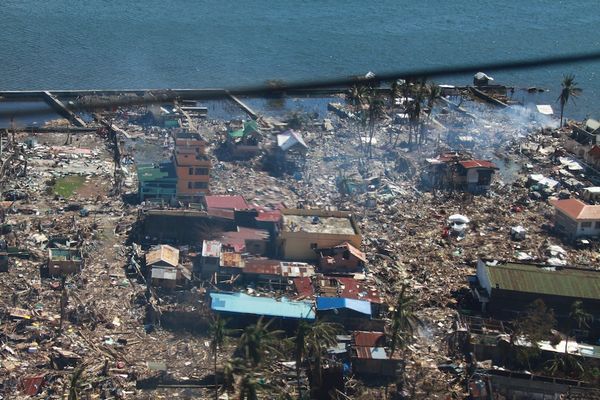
(164, 253)
(211, 248)
(332, 303)
(226, 202)
(164, 273)
(243, 304)
(368, 339)
(232, 260)
(567, 282)
(375, 353)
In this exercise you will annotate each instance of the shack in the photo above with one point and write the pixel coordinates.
(244, 142)
(458, 171)
(162, 263)
(64, 261)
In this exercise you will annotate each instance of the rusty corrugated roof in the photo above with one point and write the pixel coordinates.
(164, 253)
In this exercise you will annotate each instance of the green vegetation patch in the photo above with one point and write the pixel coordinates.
(65, 187)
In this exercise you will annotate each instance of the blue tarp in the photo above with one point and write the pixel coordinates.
(332, 303)
(243, 304)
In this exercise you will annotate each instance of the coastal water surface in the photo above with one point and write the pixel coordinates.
(97, 44)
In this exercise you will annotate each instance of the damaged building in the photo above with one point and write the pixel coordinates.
(304, 231)
(458, 172)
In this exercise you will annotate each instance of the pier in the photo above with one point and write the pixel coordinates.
(61, 109)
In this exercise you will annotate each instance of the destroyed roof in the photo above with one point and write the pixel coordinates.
(243, 304)
(531, 278)
(153, 172)
(316, 221)
(165, 253)
(371, 353)
(477, 164)
(353, 250)
(368, 339)
(278, 268)
(592, 125)
(226, 202)
(334, 303)
(229, 259)
(577, 209)
(594, 151)
(211, 248)
(237, 239)
(289, 139)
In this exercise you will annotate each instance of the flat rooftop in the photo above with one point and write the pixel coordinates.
(318, 224)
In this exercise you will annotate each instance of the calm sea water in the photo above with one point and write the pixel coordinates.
(193, 43)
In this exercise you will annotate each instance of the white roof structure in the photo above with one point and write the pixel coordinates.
(289, 139)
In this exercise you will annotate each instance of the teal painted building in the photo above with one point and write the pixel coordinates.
(157, 181)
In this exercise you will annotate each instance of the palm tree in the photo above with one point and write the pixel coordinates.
(257, 341)
(569, 90)
(376, 113)
(249, 388)
(578, 317)
(219, 333)
(404, 321)
(311, 340)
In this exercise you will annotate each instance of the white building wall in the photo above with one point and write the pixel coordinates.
(483, 277)
(594, 230)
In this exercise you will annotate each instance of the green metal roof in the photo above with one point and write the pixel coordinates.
(152, 172)
(249, 127)
(567, 282)
(237, 134)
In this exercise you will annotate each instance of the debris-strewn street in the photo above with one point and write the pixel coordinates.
(411, 242)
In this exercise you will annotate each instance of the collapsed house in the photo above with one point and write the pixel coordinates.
(245, 141)
(370, 356)
(456, 171)
(64, 261)
(342, 258)
(289, 154)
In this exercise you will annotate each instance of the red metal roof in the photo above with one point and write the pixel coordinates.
(368, 339)
(269, 216)
(353, 289)
(31, 385)
(226, 202)
(577, 209)
(303, 287)
(594, 151)
(477, 164)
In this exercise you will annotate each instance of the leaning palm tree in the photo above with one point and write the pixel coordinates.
(258, 341)
(404, 321)
(219, 332)
(311, 341)
(569, 90)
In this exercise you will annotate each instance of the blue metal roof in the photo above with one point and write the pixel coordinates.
(332, 303)
(243, 304)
